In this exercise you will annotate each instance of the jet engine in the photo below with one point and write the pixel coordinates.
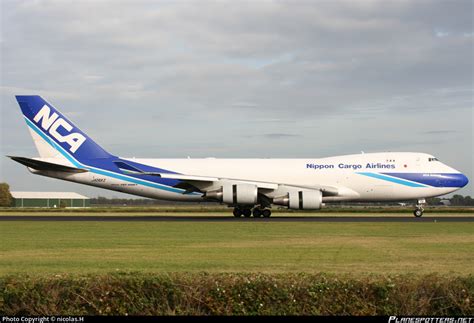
(235, 194)
(301, 200)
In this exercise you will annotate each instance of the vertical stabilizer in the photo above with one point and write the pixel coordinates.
(54, 135)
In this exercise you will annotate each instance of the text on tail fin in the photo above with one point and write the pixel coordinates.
(55, 130)
(52, 123)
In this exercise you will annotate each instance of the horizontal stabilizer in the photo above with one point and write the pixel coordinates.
(42, 165)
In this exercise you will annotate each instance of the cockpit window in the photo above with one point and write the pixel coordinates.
(432, 159)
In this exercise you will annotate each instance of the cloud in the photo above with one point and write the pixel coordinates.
(343, 76)
(245, 105)
(274, 136)
(439, 132)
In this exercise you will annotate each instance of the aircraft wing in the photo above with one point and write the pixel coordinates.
(327, 190)
(197, 183)
(205, 179)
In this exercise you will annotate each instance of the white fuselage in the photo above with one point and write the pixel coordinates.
(347, 174)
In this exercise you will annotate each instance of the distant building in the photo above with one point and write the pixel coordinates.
(49, 199)
(445, 202)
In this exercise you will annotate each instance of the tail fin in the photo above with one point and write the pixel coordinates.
(54, 135)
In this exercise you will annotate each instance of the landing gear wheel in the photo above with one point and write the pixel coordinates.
(247, 212)
(418, 213)
(257, 213)
(419, 208)
(237, 212)
(266, 213)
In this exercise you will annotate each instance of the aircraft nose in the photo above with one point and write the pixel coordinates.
(456, 180)
(462, 180)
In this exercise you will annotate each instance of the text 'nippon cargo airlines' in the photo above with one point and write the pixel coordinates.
(250, 186)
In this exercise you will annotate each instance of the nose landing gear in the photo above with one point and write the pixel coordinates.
(419, 208)
(418, 212)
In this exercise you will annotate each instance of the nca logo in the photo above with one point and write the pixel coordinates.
(51, 123)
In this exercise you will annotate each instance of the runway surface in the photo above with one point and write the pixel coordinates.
(197, 218)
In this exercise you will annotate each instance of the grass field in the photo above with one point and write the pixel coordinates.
(312, 247)
(236, 268)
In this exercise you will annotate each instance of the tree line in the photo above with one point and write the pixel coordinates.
(6, 200)
(456, 200)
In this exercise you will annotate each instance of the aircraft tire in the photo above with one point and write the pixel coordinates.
(418, 213)
(247, 213)
(237, 212)
(257, 212)
(266, 213)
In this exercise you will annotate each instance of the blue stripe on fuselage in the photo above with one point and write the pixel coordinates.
(434, 179)
(422, 179)
(391, 179)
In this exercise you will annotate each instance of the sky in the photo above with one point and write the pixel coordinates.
(288, 79)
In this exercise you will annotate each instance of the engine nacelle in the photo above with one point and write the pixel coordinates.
(235, 194)
(301, 200)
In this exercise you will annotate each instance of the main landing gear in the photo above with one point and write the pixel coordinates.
(257, 212)
(419, 208)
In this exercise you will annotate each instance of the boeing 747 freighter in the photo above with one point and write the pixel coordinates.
(250, 186)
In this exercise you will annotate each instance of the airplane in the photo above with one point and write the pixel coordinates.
(250, 186)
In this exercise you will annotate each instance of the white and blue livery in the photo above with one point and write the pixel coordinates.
(250, 186)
